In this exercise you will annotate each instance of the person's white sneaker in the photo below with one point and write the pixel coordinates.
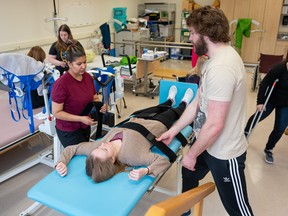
(172, 94)
(188, 96)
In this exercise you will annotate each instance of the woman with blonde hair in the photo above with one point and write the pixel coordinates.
(195, 73)
(197, 69)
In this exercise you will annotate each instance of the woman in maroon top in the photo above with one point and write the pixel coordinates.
(70, 95)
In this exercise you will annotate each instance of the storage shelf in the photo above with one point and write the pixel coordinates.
(184, 30)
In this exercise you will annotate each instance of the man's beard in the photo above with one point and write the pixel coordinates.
(201, 46)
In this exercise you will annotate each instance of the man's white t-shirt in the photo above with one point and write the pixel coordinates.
(224, 79)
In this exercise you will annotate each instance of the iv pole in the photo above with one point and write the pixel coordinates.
(55, 18)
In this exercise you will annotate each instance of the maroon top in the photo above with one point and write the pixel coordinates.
(75, 95)
(118, 136)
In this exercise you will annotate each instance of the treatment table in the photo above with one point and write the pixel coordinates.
(77, 194)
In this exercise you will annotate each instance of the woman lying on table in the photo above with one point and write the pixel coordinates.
(122, 147)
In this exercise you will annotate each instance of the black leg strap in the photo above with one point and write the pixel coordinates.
(169, 124)
(182, 139)
(99, 116)
(98, 106)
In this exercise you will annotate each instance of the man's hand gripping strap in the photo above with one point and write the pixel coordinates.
(150, 137)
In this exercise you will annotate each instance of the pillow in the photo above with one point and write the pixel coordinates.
(90, 55)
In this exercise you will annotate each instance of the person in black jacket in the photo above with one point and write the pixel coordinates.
(278, 101)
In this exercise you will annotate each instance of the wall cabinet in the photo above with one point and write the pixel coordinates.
(267, 13)
(281, 48)
(187, 5)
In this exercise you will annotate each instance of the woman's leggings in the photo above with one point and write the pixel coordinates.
(169, 114)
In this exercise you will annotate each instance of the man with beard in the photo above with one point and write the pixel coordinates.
(219, 112)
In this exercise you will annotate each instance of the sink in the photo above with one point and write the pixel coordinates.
(283, 36)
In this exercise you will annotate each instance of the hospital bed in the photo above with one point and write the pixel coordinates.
(77, 194)
(12, 131)
(20, 74)
(12, 135)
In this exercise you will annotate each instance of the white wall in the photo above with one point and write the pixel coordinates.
(22, 22)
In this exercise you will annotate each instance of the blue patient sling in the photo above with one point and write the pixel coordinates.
(21, 74)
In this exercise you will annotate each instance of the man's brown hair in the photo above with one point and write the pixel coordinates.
(211, 22)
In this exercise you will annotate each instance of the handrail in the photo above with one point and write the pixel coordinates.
(156, 43)
(166, 46)
(182, 202)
